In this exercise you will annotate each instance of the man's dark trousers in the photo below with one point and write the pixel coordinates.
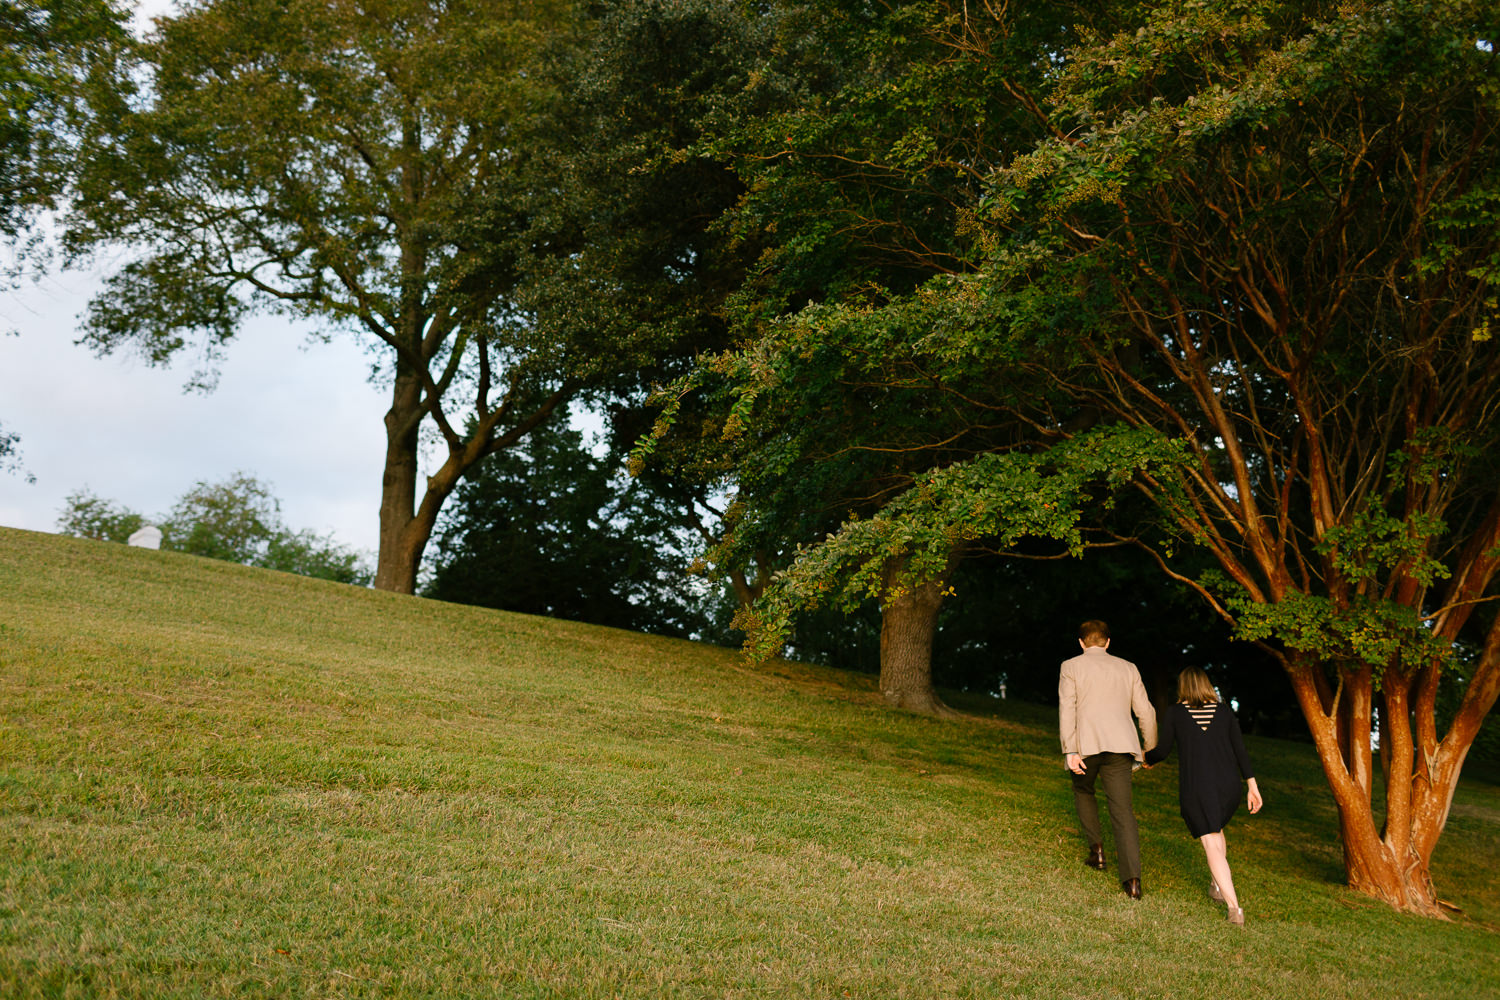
(1114, 770)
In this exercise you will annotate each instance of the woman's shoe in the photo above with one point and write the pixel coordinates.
(1237, 916)
(1215, 893)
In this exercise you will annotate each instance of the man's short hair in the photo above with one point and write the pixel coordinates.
(1093, 632)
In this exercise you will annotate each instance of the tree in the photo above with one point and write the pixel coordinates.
(355, 165)
(233, 520)
(1259, 255)
(859, 193)
(307, 553)
(237, 520)
(645, 91)
(808, 455)
(49, 51)
(1278, 235)
(85, 515)
(550, 528)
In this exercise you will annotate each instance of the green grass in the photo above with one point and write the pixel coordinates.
(218, 781)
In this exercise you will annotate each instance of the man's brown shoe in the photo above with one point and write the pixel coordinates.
(1096, 857)
(1132, 887)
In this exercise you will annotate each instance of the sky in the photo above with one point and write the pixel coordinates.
(299, 416)
(295, 412)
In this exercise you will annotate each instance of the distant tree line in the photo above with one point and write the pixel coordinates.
(929, 326)
(237, 520)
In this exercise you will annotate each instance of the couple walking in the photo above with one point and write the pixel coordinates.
(1097, 694)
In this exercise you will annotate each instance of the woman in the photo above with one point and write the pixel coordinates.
(1212, 760)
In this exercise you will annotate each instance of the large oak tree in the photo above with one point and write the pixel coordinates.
(360, 165)
(858, 194)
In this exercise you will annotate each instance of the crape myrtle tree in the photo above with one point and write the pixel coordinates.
(1296, 275)
(1259, 253)
(1274, 226)
(359, 165)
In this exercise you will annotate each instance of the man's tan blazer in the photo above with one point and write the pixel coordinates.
(1096, 694)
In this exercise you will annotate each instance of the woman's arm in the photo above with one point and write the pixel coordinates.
(1237, 744)
(1165, 736)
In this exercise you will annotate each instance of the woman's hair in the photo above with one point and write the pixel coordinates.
(1194, 687)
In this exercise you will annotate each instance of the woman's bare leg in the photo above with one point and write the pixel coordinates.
(1217, 850)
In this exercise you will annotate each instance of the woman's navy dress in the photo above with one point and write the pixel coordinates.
(1211, 763)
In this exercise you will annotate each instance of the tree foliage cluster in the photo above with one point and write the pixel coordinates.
(552, 528)
(237, 520)
(1242, 266)
(10, 454)
(51, 51)
(53, 55)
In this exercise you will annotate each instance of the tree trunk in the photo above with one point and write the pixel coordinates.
(400, 553)
(908, 622)
(747, 589)
(1390, 861)
(407, 517)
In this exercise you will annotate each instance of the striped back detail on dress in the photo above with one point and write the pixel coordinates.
(1203, 714)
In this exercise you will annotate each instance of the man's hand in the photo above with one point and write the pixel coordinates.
(1075, 763)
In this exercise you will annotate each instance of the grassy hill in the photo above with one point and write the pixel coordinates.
(220, 781)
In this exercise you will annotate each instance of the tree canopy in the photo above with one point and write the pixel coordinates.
(1251, 269)
(351, 164)
(51, 53)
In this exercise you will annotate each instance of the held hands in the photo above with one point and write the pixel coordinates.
(1254, 799)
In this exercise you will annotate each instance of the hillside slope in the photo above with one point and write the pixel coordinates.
(217, 780)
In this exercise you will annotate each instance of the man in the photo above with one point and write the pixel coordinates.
(1096, 694)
